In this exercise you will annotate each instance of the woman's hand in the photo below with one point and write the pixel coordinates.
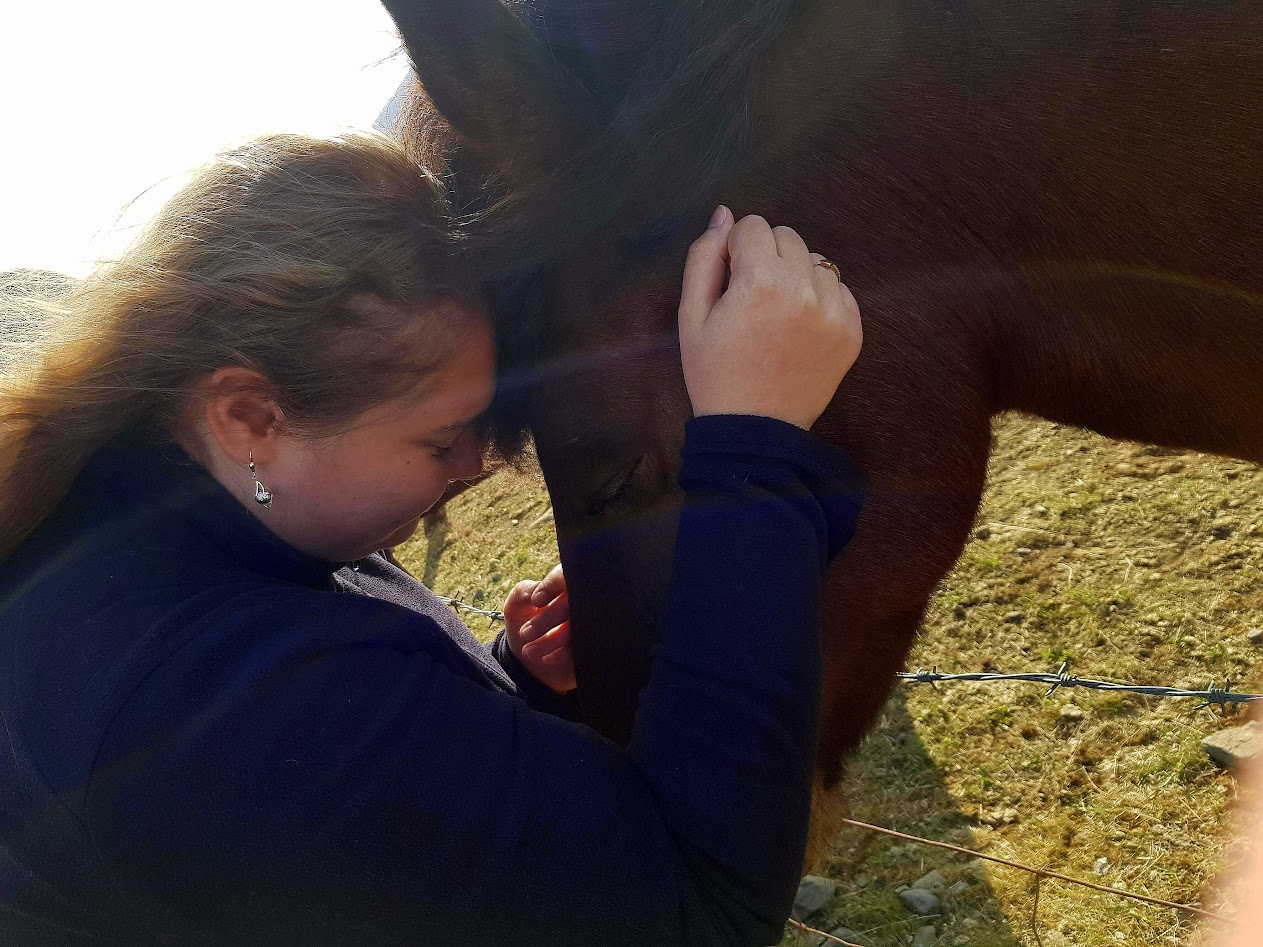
(763, 329)
(537, 623)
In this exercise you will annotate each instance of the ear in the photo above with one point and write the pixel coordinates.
(240, 414)
(497, 84)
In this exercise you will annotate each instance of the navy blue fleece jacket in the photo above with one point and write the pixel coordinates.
(209, 737)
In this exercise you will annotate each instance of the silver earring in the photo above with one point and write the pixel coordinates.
(262, 495)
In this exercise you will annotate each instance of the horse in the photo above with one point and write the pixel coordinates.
(1051, 208)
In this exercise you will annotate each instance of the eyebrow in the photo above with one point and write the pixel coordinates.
(457, 425)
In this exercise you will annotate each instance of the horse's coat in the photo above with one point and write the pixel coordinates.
(1054, 208)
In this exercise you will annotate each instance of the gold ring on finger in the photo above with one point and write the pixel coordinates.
(829, 264)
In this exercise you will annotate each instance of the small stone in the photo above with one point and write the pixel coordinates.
(814, 893)
(932, 881)
(961, 941)
(920, 902)
(925, 936)
(1254, 636)
(862, 881)
(1236, 745)
(1071, 713)
(1014, 618)
(513, 522)
(959, 888)
(844, 933)
(1009, 816)
(1101, 866)
(1024, 550)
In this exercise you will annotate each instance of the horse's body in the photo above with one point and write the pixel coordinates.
(1053, 208)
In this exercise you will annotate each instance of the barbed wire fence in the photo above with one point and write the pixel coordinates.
(1039, 875)
(1211, 697)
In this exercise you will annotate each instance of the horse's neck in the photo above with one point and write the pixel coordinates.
(1109, 171)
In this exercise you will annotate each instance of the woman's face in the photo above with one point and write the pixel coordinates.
(344, 496)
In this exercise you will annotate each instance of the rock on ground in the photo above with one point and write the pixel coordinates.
(1071, 713)
(814, 893)
(919, 901)
(932, 881)
(925, 936)
(1236, 745)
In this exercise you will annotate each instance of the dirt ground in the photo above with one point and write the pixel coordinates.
(1134, 563)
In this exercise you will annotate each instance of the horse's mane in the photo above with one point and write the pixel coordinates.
(671, 84)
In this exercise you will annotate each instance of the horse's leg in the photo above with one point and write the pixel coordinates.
(924, 442)
(867, 641)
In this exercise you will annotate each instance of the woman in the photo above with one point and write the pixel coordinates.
(227, 720)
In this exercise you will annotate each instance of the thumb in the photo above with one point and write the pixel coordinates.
(517, 607)
(705, 271)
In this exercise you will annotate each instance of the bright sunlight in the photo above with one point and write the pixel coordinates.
(108, 104)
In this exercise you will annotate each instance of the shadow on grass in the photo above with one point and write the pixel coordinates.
(435, 527)
(892, 782)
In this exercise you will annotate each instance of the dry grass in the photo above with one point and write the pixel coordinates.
(1137, 564)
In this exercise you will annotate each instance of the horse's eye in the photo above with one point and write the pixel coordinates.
(615, 489)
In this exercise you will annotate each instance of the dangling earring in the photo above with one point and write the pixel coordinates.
(262, 495)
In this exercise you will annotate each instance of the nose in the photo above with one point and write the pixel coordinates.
(466, 462)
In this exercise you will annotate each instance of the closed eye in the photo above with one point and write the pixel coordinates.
(616, 489)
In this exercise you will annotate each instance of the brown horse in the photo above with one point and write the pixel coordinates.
(1047, 207)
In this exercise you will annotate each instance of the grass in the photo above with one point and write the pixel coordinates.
(1134, 563)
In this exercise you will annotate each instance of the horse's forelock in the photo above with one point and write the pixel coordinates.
(676, 80)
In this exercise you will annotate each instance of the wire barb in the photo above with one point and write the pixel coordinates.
(458, 606)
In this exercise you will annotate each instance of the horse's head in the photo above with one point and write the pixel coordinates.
(586, 145)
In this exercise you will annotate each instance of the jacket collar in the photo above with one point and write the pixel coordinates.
(142, 473)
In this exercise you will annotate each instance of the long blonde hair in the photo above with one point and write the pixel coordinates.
(304, 259)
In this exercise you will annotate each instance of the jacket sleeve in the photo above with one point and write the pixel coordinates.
(540, 696)
(264, 786)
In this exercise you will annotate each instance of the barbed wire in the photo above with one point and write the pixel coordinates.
(1211, 695)
(1038, 873)
(459, 606)
(1220, 696)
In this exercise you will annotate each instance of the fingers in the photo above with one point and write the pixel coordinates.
(549, 587)
(550, 646)
(836, 295)
(790, 246)
(751, 245)
(705, 270)
(547, 618)
(828, 286)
